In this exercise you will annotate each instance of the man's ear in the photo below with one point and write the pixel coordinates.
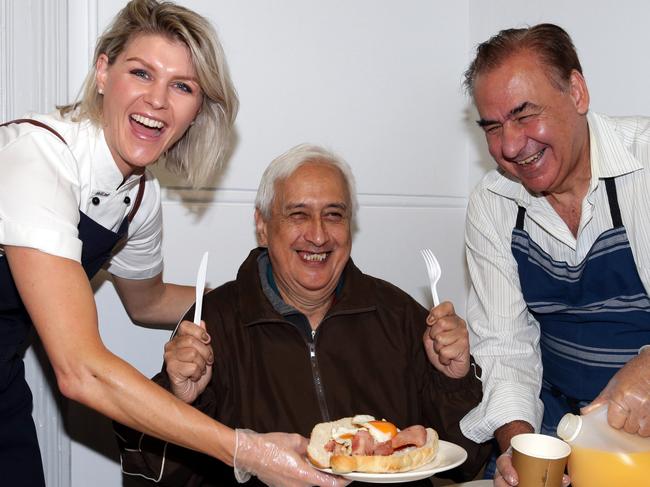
(260, 229)
(579, 92)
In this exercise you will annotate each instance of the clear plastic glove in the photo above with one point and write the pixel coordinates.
(188, 361)
(446, 341)
(628, 397)
(278, 460)
(506, 475)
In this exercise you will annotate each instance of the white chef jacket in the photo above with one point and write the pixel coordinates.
(44, 184)
(504, 336)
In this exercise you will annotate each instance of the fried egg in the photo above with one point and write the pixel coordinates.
(381, 431)
(344, 435)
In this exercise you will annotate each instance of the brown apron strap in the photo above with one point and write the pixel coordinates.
(138, 199)
(38, 124)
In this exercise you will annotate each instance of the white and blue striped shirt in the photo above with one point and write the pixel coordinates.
(504, 335)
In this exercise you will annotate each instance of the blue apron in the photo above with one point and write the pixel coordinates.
(593, 316)
(20, 459)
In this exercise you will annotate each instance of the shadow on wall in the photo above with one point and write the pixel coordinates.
(482, 161)
(177, 188)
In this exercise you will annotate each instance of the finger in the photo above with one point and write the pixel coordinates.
(191, 356)
(205, 338)
(301, 444)
(181, 371)
(644, 426)
(443, 309)
(616, 415)
(187, 328)
(595, 404)
(446, 338)
(188, 349)
(428, 347)
(453, 352)
(507, 471)
(632, 422)
(449, 323)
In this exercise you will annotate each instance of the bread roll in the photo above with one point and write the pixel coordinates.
(403, 460)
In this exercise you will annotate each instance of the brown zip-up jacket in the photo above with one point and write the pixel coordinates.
(366, 357)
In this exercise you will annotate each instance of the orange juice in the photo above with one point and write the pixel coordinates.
(597, 468)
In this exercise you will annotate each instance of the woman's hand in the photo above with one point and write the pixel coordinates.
(446, 341)
(188, 361)
(278, 460)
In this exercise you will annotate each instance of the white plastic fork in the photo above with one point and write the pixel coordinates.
(434, 272)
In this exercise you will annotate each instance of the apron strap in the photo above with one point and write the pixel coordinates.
(612, 198)
(138, 199)
(38, 124)
(521, 213)
(614, 209)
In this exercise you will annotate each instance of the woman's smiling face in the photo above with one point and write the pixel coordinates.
(151, 95)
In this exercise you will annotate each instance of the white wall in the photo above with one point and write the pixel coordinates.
(378, 81)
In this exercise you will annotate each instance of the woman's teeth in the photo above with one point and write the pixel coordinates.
(534, 158)
(147, 122)
(314, 257)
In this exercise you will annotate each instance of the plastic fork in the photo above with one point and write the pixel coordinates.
(434, 272)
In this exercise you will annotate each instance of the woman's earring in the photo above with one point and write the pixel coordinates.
(100, 91)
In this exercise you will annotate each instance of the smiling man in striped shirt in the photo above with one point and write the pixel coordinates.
(558, 246)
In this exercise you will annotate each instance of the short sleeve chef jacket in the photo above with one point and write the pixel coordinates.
(44, 184)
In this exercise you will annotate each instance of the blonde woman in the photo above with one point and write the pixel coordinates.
(75, 195)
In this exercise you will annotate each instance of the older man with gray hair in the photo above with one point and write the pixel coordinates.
(302, 336)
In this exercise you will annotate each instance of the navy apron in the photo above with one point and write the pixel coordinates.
(20, 459)
(593, 316)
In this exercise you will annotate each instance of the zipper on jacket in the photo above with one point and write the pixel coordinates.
(318, 382)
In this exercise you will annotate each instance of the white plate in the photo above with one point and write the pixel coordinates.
(449, 456)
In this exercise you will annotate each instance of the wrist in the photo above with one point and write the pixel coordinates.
(504, 434)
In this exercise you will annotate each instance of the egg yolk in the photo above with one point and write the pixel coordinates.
(385, 427)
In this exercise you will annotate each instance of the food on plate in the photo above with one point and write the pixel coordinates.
(364, 444)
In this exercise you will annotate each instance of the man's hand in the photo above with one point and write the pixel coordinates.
(446, 341)
(506, 475)
(627, 396)
(188, 361)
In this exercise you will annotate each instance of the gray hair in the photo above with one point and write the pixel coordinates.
(207, 142)
(287, 163)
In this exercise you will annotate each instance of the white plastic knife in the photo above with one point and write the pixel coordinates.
(200, 288)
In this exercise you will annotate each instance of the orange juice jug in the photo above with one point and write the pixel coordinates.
(602, 456)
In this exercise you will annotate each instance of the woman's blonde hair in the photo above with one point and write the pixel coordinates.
(205, 145)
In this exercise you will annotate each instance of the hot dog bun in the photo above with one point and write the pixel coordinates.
(402, 460)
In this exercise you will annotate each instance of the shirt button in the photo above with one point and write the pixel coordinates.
(127, 200)
(95, 200)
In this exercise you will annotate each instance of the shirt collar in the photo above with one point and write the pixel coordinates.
(270, 287)
(107, 177)
(609, 158)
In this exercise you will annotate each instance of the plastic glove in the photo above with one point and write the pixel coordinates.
(628, 397)
(506, 475)
(446, 341)
(278, 460)
(188, 361)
